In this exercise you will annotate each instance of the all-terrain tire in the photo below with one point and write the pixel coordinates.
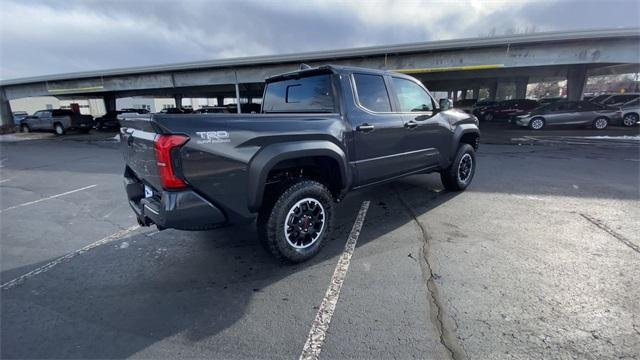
(274, 233)
(460, 173)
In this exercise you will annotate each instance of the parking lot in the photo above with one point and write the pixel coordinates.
(539, 258)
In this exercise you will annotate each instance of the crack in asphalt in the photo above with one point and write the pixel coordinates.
(447, 337)
(611, 232)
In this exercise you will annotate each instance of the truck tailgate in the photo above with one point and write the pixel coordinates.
(137, 134)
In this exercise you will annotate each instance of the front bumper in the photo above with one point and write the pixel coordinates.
(183, 209)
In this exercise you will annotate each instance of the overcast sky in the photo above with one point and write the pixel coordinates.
(47, 37)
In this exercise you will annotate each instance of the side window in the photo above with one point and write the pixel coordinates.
(45, 114)
(372, 92)
(37, 114)
(411, 97)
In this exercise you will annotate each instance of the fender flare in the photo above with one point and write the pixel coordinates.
(268, 157)
(460, 131)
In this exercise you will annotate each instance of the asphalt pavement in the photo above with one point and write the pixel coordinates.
(537, 259)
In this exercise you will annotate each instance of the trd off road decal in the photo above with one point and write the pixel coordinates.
(213, 137)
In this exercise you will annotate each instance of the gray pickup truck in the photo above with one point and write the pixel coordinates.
(322, 132)
(59, 121)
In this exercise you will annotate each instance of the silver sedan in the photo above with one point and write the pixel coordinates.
(579, 113)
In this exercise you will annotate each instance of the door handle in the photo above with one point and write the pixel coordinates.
(365, 127)
(411, 124)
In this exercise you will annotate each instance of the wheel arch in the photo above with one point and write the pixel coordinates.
(464, 134)
(322, 153)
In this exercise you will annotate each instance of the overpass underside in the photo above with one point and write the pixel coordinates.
(500, 66)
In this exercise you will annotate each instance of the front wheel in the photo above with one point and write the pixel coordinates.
(536, 123)
(296, 225)
(601, 123)
(460, 173)
(25, 128)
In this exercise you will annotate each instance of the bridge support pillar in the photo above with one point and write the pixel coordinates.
(220, 100)
(6, 116)
(493, 90)
(109, 102)
(455, 95)
(463, 94)
(178, 99)
(521, 87)
(576, 79)
(476, 93)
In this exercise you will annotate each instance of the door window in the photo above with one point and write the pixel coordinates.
(411, 97)
(372, 92)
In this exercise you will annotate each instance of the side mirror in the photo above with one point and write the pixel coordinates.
(445, 104)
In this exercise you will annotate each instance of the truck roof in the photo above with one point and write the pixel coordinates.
(336, 69)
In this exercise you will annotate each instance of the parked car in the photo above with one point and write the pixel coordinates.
(551, 99)
(110, 119)
(465, 105)
(212, 110)
(619, 99)
(599, 98)
(18, 116)
(175, 110)
(580, 113)
(59, 121)
(504, 109)
(631, 112)
(322, 133)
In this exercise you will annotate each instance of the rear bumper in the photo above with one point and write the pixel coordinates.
(184, 209)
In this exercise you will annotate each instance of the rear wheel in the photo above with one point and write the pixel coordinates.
(25, 128)
(460, 173)
(488, 117)
(99, 125)
(59, 129)
(601, 123)
(630, 119)
(295, 226)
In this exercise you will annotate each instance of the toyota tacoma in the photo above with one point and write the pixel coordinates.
(322, 132)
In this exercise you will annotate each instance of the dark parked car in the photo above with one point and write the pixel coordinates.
(599, 98)
(551, 100)
(465, 105)
(212, 110)
(581, 113)
(110, 119)
(58, 121)
(619, 99)
(175, 110)
(504, 109)
(322, 133)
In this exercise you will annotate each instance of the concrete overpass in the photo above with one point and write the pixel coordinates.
(449, 65)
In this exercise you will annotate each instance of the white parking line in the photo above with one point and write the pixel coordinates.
(48, 198)
(65, 258)
(318, 332)
(4, 180)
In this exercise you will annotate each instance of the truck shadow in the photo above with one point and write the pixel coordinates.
(200, 290)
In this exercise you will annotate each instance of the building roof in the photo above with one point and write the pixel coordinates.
(417, 47)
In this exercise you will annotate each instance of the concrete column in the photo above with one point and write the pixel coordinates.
(6, 116)
(109, 102)
(493, 91)
(449, 94)
(220, 100)
(455, 95)
(463, 95)
(521, 87)
(476, 93)
(576, 79)
(178, 99)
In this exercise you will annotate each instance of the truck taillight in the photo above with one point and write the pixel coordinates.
(163, 145)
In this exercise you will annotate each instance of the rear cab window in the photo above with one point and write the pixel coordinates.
(306, 94)
(372, 93)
